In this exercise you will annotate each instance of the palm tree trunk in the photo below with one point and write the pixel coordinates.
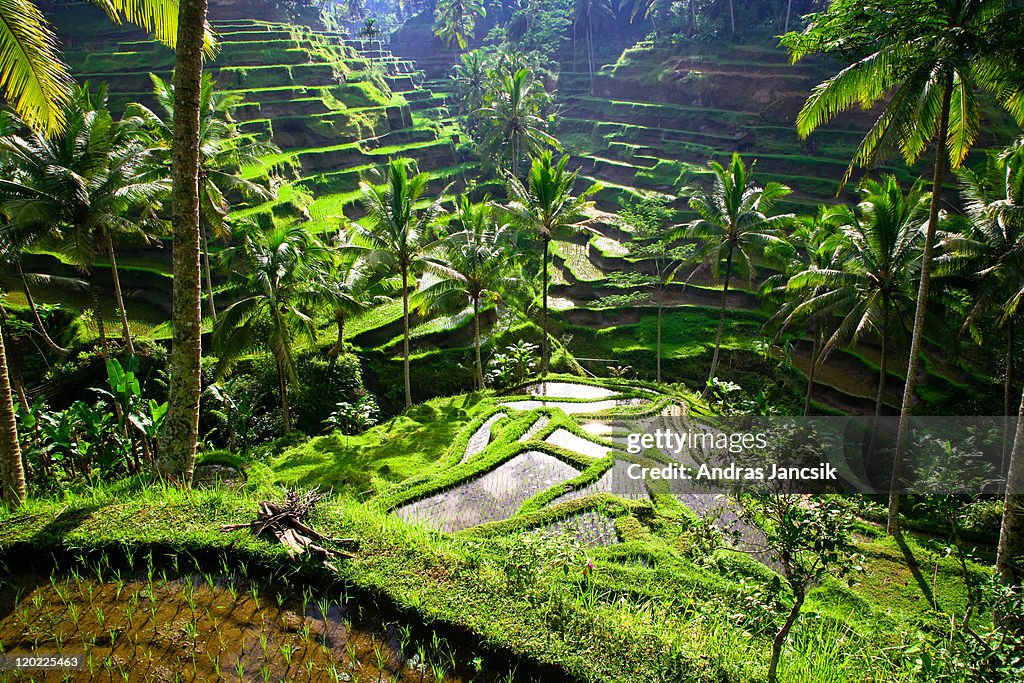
(286, 411)
(101, 329)
(815, 349)
(590, 49)
(53, 346)
(789, 11)
(883, 363)
(209, 276)
(118, 297)
(1011, 532)
(693, 17)
(721, 319)
(657, 372)
(892, 525)
(339, 346)
(732, 18)
(12, 471)
(1007, 394)
(476, 341)
(182, 422)
(544, 347)
(405, 336)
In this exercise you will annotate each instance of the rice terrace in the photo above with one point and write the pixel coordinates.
(511, 341)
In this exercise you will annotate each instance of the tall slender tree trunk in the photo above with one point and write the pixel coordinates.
(182, 423)
(52, 345)
(209, 275)
(590, 49)
(732, 18)
(721, 319)
(693, 17)
(1009, 562)
(339, 346)
(476, 342)
(1007, 397)
(815, 350)
(657, 372)
(789, 11)
(405, 336)
(12, 471)
(883, 363)
(101, 329)
(545, 349)
(282, 386)
(892, 525)
(119, 296)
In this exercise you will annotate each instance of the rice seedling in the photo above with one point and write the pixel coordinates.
(265, 673)
(287, 651)
(74, 611)
(240, 669)
(438, 671)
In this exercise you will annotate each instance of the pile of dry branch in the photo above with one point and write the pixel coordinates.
(283, 521)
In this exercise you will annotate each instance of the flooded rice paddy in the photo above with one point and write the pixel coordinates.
(158, 625)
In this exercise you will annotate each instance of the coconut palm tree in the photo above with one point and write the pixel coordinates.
(181, 426)
(351, 286)
(990, 249)
(512, 119)
(12, 471)
(455, 21)
(586, 13)
(82, 191)
(222, 154)
(869, 284)
(34, 78)
(546, 207)
(395, 234)
(272, 290)
(474, 266)
(470, 77)
(735, 227)
(925, 64)
(815, 248)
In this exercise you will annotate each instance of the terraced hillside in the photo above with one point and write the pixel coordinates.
(335, 107)
(647, 126)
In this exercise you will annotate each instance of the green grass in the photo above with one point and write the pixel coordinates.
(402, 447)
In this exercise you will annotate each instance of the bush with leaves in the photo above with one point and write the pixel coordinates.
(513, 366)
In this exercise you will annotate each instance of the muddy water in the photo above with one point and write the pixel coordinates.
(201, 627)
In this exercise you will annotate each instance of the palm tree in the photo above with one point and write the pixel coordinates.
(470, 77)
(12, 254)
(12, 471)
(34, 78)
(350, 286)
(475, 265)
(222, 153)
(455, 21)
(181, 426)
(512, 118)
(396, 233)
(925, 64)
(79, 190)
(546, 207)
(273, 288)
(734, 228)
(869, 285)
(815, 249)
(990, 250)
(586, 12)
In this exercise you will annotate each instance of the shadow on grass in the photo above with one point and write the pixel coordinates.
(915, 569)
